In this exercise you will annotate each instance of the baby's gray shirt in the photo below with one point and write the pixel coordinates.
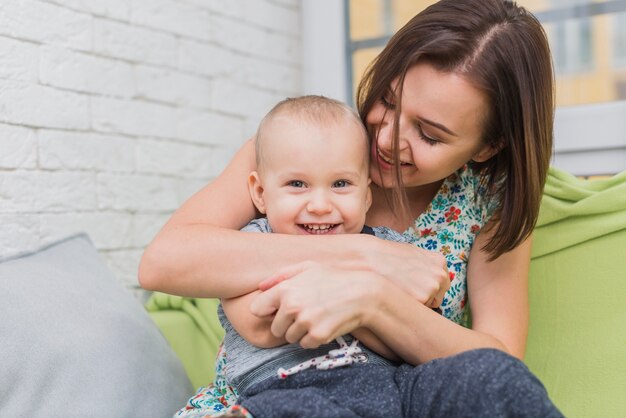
(248, 364)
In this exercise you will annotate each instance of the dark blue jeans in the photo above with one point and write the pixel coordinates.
(479, 383)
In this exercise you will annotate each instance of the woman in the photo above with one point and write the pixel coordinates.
(459, 107)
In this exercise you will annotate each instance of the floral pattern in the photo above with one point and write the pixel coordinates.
(215, 400)
(449, 225)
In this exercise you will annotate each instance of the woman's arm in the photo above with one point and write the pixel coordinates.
(183, 256)
(371, 341)
(201, 253)
(416, 333)
(498, 294)
(499, 304)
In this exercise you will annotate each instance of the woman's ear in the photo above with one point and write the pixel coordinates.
(256, 191)
(486, 152)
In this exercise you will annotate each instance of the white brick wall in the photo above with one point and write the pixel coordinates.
(112, 113)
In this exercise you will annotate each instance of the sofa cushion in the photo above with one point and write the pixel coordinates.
(76, 343)
(577, 332)
(193, 331)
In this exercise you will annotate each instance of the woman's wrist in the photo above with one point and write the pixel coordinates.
(373, 297)
(360, 253)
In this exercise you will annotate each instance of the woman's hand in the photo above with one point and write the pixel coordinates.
(422, 274)
(319, 303)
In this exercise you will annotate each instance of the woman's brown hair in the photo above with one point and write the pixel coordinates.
(502, 50)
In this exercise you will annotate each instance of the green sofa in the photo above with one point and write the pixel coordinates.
(577, 336)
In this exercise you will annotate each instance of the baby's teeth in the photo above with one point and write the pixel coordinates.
(318, 227)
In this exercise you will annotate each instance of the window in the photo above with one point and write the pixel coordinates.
(571, 38)
(371, 24)
(619, 41)
(587, 38)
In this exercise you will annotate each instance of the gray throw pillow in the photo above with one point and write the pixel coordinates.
(75, 343)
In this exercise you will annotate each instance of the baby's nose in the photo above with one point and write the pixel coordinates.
(319, 202)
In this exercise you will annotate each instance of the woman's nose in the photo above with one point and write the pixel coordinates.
(319, 202)
(385, 137)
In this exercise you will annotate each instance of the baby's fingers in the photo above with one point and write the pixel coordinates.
(266, 303)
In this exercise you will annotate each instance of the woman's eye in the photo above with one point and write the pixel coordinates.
(388, 100)
(341, 183)
(429, 140)
(296, 183)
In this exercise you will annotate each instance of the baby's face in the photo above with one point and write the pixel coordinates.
(315, 177)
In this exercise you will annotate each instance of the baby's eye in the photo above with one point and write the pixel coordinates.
(341, 183)
(296, 183)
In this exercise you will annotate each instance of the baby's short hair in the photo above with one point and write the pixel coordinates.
(310, 108)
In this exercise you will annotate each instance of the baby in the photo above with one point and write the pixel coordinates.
(312, 178)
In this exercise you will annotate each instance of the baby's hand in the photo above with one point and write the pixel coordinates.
(317, 304)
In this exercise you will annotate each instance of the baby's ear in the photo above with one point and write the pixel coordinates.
(256, 191)
(368, 199)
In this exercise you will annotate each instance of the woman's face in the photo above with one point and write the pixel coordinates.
(440, 128)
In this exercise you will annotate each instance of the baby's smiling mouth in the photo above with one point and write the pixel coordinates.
(318, 229)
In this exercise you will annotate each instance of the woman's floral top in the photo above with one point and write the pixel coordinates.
(215, 399)
(449, 225)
